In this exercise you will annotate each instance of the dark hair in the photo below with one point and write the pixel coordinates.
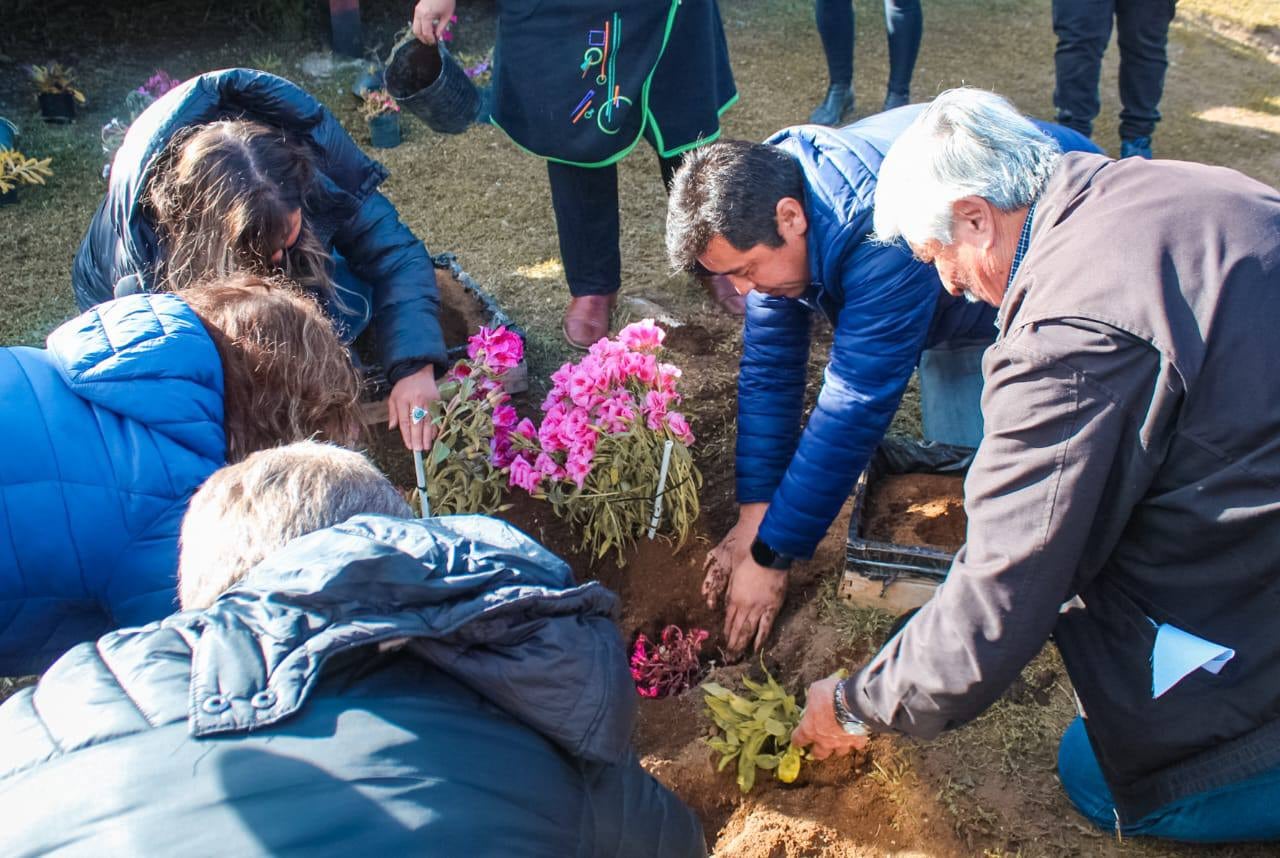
(730, 189)
(222, 194)
(286, 375)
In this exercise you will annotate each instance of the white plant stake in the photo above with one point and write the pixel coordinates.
(662, 487)
(424, 503)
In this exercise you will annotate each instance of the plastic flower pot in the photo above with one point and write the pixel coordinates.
(384, 131)
(57, 106)
(8, 198)
(8, 134)
(428, 82)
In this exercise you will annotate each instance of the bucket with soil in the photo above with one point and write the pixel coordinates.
(908, 522)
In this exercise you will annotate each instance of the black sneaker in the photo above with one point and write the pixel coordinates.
(834, 108)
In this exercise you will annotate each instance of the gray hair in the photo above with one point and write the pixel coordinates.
(246, 511)
(968, 142)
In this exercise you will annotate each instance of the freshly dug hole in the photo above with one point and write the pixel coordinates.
(917, 509)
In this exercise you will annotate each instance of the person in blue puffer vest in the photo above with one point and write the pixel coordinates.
(108, 431)
(789, 222)
(344, 681)
(240, 170)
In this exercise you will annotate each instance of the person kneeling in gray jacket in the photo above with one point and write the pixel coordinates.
(342, 680)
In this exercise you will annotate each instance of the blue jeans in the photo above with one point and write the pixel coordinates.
(951, 392)
(1248, 810)
(904, 24)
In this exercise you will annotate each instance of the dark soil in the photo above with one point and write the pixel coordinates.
(461, 314)
(917, 509)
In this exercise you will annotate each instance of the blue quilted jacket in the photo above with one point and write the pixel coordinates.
(343, 209)
(383, 687)
(103, 437)
(885, 308)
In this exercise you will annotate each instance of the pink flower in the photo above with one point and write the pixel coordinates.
(679, 426)
(504, 417)
(642, 367)
(578, 470)
(458, 371)
(655, 408)
(668, 375)
(583, 386)
(560, 378)
(526, 429)
(574, 428)
(524, 475)
(500, 452)
(549, 467)
(642, 336)
(497, 348)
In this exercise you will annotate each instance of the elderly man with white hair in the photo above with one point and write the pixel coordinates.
(1125, 499)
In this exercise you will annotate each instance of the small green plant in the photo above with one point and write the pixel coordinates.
(55, 79)
(756, 728)
(17, 169)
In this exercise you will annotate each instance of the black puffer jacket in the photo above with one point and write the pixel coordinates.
(343, 209)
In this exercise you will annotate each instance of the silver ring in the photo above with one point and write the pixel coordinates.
(418, 414)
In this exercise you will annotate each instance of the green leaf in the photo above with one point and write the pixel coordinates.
(439, 452)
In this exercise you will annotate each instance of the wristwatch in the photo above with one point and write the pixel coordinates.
(848, 722)
(765, 556)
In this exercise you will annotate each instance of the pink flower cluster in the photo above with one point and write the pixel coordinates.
(490, 353)
(619, 385)
(158, 84)
(669, 667)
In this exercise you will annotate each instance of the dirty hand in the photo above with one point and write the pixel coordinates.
(735, 546)
(431, 19)
(413, 391)
(755, 596)
(819, 727)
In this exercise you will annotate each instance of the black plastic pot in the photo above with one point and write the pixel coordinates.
(8, 198)
(384, 131)
(427, 81)
(57, 106)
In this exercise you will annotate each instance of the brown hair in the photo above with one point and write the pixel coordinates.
(222, 195)
(286, 375)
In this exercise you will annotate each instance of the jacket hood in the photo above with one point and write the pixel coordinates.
(472, 595)
(346, 176)
(150, 359)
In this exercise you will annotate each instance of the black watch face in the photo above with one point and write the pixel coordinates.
(762, 554)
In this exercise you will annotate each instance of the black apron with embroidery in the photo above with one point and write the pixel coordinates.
(581, 82)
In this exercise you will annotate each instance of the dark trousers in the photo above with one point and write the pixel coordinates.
(904, 21)
(1083, 28)
(585, 201)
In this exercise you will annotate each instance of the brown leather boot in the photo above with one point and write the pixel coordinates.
(586, 319)
(721, 291)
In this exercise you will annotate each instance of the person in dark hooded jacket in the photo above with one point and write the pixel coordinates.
(242, 170)
(376, 686)
(109, 430)
(788, 222)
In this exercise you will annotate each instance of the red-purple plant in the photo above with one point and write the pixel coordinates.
(669, 667)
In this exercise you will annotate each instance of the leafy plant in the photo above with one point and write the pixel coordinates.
(598, 454)
(55, 79)
(378, 102)
(670, 666)
(756, 728)
(139, 99)
(474, 422)
(17, 169)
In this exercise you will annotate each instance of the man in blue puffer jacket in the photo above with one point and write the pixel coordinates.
(788, 222)
(382, 273)
(376, 687)
(106, 434)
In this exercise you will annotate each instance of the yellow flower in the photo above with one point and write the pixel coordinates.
(789, 767)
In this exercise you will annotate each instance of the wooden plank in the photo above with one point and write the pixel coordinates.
(898, 597)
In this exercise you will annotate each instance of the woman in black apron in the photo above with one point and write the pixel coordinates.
(580, 83)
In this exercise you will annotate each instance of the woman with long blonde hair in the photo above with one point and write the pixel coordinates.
(242, 171)
(110, 430)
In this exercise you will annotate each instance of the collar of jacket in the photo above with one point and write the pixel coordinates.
(1074, 172)
(471, 595)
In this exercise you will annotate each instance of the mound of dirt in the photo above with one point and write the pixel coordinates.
(917, 509)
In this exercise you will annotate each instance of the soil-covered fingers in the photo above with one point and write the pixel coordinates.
(716, 579)
(765, 627)
(741, 624)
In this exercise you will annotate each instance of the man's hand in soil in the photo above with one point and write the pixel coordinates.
(819, 727)
(413, 391)
(755, 596)
(431, 19)
(732, 550)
